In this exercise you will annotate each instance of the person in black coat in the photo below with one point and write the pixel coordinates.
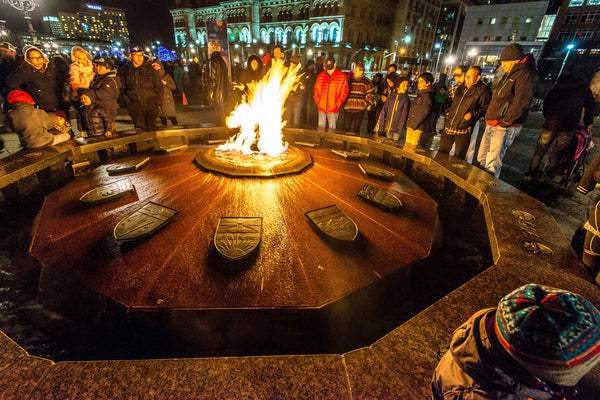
(104, 89)
(141, 89)
(217, 82)
(468, 105)
(36, 76)
(420, 111)
(92, 120)
(253, 72)
(9, 61)
(562, 112)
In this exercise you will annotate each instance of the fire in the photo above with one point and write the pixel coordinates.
(259, 116)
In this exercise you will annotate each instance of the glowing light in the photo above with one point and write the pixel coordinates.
(259, 116)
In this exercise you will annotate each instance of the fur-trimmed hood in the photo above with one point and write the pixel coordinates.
(26, 51)
(78, 49)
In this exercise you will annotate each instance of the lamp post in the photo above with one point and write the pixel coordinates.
(25, 6)
(438, 46)
(450, 61)
(569, 48)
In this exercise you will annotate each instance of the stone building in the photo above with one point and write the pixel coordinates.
(378, 32)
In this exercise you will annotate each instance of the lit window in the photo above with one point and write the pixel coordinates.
(528, 20)
(492, 21)
(593, 2)
(576, 3)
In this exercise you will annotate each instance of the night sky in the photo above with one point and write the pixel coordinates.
(146, 19)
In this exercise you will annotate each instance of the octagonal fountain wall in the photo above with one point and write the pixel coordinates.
(300, 291)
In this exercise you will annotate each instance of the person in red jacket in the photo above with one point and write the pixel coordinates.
(331, 90)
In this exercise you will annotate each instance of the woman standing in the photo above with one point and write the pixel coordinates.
(167, 105)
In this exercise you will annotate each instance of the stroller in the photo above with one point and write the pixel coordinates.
(572, 162)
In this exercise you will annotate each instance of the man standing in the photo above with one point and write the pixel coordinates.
(141, 88)
(508, 108)
(331, 91)
(217, 81)
(360, 95)
(469, 104)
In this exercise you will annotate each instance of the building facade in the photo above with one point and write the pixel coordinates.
(574, 39)
(95, 22)
(489, 28)
(449, 28)
(349, 30)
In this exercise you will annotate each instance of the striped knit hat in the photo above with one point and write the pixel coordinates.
(553, 333)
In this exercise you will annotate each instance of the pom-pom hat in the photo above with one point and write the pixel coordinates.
(553, 333)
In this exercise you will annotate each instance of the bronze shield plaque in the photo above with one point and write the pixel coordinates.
(236, 237)
(375, 172)
(353, 155)
(108, 192)
(143, 222)
(380, 198)
(334, 223)
(132, 164)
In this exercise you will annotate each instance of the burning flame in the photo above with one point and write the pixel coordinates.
(259, 116)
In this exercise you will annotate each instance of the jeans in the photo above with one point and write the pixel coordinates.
(494, 143)
(563, 139)
(331, 120)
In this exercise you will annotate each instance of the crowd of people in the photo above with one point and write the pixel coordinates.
(322, 95)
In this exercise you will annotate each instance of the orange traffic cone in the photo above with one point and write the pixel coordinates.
(185, 102)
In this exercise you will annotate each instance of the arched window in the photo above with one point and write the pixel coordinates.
(289, 37)
(264, 36)
(246, 35)
(315, 34)
(334, 33)
(298, 35)
(279, 35)
(325, 34)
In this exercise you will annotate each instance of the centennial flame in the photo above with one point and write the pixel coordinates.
(259, 116)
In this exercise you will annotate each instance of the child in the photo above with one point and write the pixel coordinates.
(92, 120)
(167, 103)
(82, 69)
(420, 111)
(33, 125)
(392, 119)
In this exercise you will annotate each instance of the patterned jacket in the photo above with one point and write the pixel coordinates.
(359, 89)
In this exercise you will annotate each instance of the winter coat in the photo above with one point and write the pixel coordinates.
(477, 367)
(217, 79)
(81, 75)
(141, 85)
(167, 106)
(331, 91)
(42, 86)
(420, 109)
(93, 120)
(513, 93)
(394, 113)
(104, 91)
(472, 100)
(359, 89)
(31, 124)
(565, 102)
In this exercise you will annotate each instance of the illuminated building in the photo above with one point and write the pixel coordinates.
(449, 28)
(348, 30)
(488, 29)
(94, 22)
(577, 26)
(53, 25)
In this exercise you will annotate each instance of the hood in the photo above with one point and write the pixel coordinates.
(473, 347)
(78, 49)
(526, 62)
(26, 51)
(257, 58)
(19, 96)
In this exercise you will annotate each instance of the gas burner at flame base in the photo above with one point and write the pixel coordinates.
(236, 164)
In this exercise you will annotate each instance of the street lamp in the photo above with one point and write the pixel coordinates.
(438, 47)
(25, 6)
(569, 48)
(450, 62)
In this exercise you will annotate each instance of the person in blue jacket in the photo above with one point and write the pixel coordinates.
(392, 119)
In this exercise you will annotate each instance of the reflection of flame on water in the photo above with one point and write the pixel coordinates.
(259, 116)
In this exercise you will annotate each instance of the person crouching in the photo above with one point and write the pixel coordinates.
(92, 120)
(33, 125)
